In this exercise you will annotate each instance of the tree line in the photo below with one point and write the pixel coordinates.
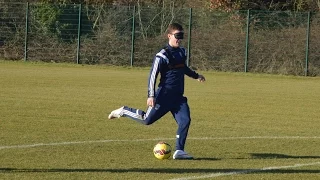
(106, 32)
(221, 5)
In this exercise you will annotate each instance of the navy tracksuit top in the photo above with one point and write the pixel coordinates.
(171, 64)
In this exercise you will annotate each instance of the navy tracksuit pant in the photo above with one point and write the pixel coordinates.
(178, 107)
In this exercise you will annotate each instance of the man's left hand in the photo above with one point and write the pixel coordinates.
(201, 78)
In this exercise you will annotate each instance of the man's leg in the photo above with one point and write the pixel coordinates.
(182, 117)
(150, 116)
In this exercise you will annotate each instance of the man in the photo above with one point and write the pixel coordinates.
(170, 62)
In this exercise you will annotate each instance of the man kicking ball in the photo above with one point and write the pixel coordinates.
(170, 62)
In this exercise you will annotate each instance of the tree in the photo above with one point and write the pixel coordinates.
(278, 5)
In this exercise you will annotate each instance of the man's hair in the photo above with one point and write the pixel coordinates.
(173, 27)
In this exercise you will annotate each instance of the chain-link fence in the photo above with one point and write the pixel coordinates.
(242, 41)
(12, 30)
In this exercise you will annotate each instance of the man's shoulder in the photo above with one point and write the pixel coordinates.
(162, 54)
(166, 50)
(183, 49)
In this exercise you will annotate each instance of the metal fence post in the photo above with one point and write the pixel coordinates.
(307, 46)
(79, 34)
(247, 42)
(26, 34)
(189, 37)
(132, 35)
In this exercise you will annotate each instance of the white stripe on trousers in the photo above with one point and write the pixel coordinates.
(136, 115)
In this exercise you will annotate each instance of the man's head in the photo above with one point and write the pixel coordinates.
(175, 34)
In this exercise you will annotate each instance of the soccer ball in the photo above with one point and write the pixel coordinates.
(162, 150)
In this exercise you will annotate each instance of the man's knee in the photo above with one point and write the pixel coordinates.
(149, 120)
(146, 122)
(185, 123)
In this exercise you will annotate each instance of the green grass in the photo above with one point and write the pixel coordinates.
(241, 123)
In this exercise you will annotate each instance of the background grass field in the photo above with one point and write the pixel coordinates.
(53, 125)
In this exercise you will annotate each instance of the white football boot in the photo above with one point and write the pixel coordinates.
(179, 154)
(116, 113)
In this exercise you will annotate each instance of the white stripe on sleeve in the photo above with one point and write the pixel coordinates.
(153, 76)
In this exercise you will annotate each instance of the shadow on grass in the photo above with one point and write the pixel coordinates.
(180, 170)
(206, 159)
(159, 170)
(279, 156)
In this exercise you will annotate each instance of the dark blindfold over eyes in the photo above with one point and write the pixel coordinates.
(179, 35)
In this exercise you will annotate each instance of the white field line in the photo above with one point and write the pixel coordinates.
(156, 139)
(212, 175)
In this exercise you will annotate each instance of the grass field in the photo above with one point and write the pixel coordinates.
(53, 125)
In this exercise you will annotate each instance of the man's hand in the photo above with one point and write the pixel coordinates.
(201, 78)
(151, 101)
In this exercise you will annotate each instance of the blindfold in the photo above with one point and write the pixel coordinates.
(179, 35)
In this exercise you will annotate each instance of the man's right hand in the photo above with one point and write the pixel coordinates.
(151, 101)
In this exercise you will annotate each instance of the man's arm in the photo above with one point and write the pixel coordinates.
(193, 74)
(189, 72)
(152, 81)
